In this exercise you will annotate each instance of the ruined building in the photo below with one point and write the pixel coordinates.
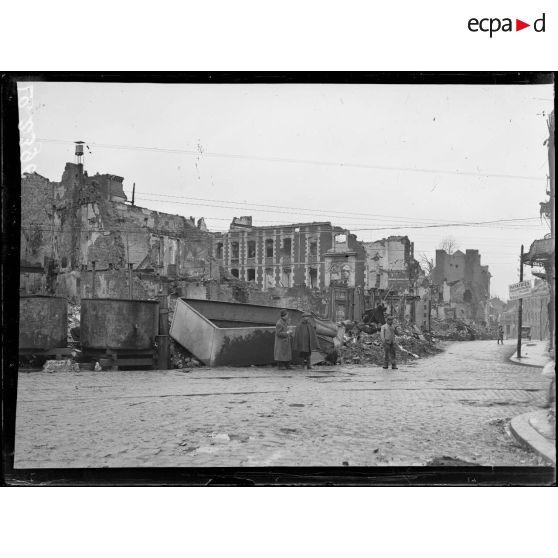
(464, 284)
(390, 264)
(67, 225)
(315, 255)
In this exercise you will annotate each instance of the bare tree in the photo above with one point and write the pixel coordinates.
(427, 264)
(449, 244)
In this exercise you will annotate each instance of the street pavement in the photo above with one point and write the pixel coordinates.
(453, 406)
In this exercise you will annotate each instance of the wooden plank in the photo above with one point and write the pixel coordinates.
(134, 361)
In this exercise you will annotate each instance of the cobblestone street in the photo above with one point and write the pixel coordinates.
(456, 404)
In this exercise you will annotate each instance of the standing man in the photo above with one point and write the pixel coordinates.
(305, 339)
(283, 352)
(500, 334)
(387, 335)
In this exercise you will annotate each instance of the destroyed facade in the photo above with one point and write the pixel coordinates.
(463, 285)
(314, 255)
(85, 225)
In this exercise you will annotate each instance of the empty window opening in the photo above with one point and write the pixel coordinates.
(286, 277)
(313, 278)
(269, 278)
(251, 274)
(219, 251)
(287, 246)
(313, 248)
(234, 273)
(234, 250)
(251, 248)
(269, 248)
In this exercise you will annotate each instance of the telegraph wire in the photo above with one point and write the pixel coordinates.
(325, 213)
(212, 154)
(310, 210)
(398, 226)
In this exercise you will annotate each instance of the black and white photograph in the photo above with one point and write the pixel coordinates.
(248, 272)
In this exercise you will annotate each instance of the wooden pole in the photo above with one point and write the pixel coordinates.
(130, 282)
(520, 307)
(163, 337)
(93, 279)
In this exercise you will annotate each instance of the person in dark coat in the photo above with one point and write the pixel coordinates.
(378, 314)
(283, 352)
(305, 339)
(500, 334)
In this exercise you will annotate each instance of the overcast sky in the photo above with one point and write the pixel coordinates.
(362, 156)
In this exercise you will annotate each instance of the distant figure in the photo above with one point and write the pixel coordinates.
(283, 353)
(378, 314)
(305, 339)
(500, 335)
(387, 335)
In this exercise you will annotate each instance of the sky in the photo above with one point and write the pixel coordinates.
(380, 160)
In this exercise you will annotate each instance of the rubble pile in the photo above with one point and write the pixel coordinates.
(360, 347)
(181, 358)
(74, 313)
(458, 330)
(67, 365)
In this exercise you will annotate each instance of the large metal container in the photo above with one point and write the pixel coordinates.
(43, 322)
(226, 333)
(118, 324)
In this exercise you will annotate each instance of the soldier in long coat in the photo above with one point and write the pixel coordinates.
(305, 339)
(283, 352)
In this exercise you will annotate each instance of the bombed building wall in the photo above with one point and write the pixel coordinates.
(464, 282)
(281, 256)
(300, 298)
(37, 200)
(82, 219)
(466, 268)
(390, 264)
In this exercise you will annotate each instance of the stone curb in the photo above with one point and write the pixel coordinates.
(515, 360)
(528, 436)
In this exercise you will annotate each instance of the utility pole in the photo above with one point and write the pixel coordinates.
(520, 307)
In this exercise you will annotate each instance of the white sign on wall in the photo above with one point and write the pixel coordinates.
(520, 290)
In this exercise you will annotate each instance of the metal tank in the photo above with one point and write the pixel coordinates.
(118, 324)
(43, 322)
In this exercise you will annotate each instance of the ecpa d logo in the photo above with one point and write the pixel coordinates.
(492, 25)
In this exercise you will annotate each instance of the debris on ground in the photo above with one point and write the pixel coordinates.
(457, 330)
(74, 314)
(73, 326)
(61, 366)
(181, 358)
(361, 347)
